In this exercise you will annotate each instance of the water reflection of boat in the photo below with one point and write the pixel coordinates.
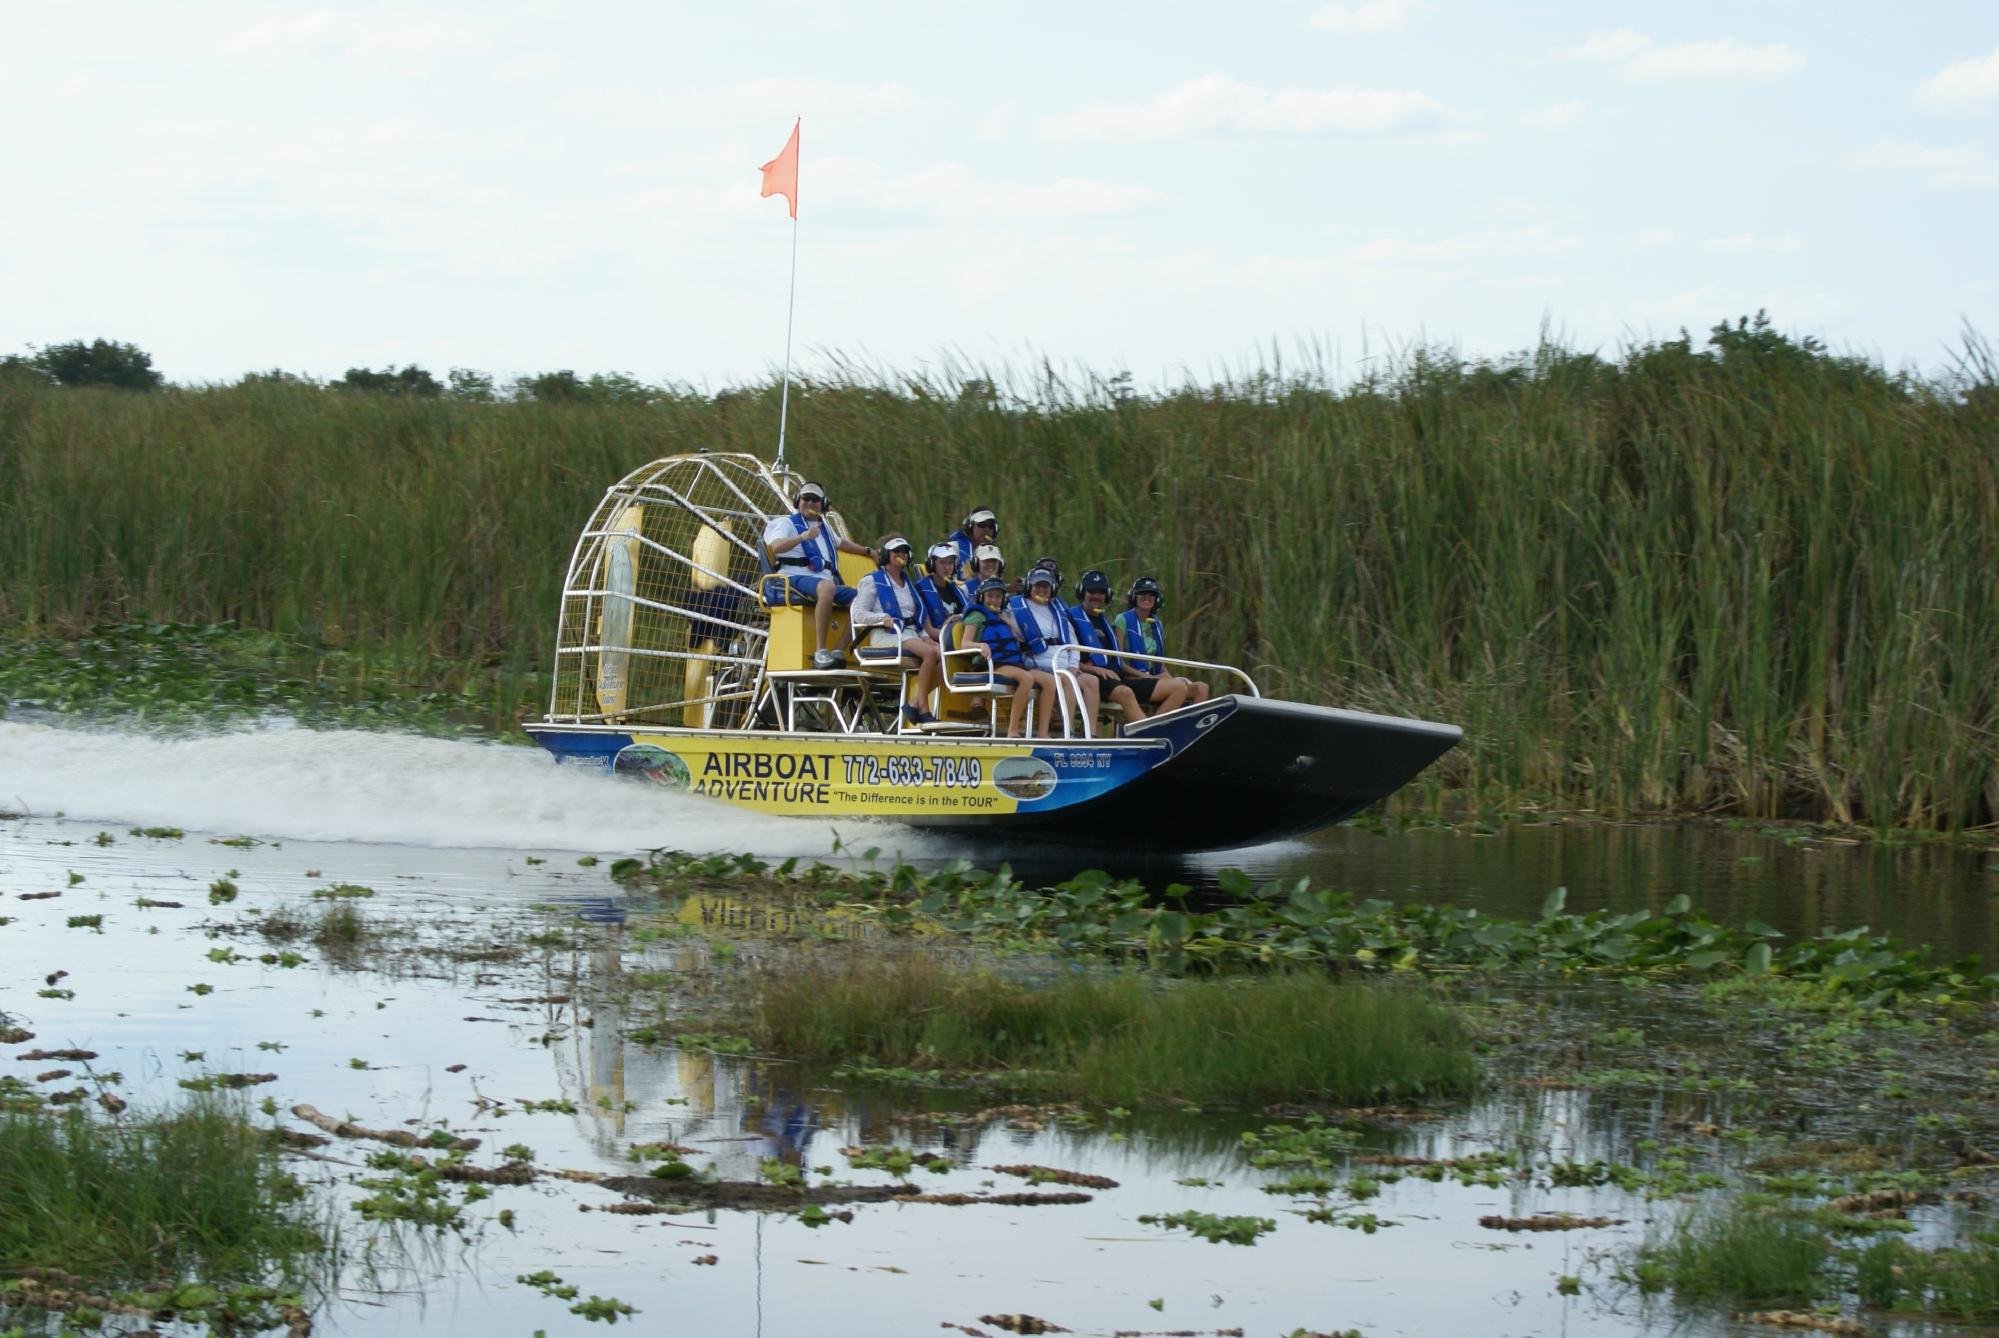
(679, 658)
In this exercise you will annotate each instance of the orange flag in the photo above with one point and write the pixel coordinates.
(781, 172)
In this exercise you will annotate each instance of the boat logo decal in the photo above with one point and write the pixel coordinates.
(1025, 777)
(651, 762)
(1208, 721)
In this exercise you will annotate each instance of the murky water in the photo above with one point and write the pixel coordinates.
(461, 842)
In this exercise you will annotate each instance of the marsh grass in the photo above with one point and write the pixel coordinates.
(1742, 576)
(1122, 1038)
(1740, 1253)
(340, 931)
(195, 1193)
(1959, 1283)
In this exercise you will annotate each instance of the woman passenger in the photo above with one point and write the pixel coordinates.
(1050, 641)
(1139, 630)
(988, 565)
(888, 599)
(990, 626)
(1132, 693)
(943, 596)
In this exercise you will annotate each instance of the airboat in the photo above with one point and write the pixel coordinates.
(683, 660)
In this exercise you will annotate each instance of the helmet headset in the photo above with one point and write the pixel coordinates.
(1145, 585)
(987, 552)
(980, 516)
(987, 587)
(806, 490)
(937, 553)
(1092, 580)
(889, 543)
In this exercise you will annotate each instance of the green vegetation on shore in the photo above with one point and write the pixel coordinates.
(1747, 576)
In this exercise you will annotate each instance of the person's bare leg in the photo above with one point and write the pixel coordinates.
(1016, 717)
(1168, 694)
(926, 672)
(1091, 692)
(822, 613)
(1044, 701)
(1197, 692)
(1127, 703)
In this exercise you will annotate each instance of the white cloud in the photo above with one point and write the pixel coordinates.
(801, 96)
(534, 65)
(1961, 85)
(995, 123)
(1606, 48)
(411, 33)
(1652, 237)
(1958, 166)
(1556, 115)
(1536, 239)
(1742, 242)
(1375, 16)
(1641, 59)
(1216, 103)
(952, 190)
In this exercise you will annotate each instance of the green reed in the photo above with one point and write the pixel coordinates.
(1750, 577)
(1123, 1038)
(191, 1194)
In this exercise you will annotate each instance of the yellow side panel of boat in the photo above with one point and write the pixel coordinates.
(617, 574)
(854, 777)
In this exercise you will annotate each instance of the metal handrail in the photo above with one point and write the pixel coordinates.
(1168, 659)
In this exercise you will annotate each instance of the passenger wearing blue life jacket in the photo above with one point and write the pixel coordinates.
(805, 553)
(1049, 639)
(991, 628)
(943, 595)
(980, 526)
(1140, 633)
(1093, 631)
(891, 612)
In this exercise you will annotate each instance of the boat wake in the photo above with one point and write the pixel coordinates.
(357, 785)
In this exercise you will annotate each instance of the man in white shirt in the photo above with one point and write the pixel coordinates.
(805, 552)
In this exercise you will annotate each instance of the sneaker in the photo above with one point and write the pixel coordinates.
(827, 659)
(916, 715)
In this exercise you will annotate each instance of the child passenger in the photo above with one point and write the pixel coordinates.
(992, 628)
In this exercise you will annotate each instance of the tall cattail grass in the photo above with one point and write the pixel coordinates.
(1750, 578)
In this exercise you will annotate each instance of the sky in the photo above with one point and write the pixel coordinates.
(1178, 190)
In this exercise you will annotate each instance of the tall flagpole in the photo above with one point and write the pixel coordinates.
(790, 309)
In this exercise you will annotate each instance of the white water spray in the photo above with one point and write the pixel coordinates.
(401, 789)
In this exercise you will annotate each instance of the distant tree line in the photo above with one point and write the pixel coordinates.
(122, 366)
(1747, 344)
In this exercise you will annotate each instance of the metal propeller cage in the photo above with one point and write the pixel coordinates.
(662, 621)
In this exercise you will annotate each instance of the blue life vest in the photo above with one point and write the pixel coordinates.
(813, 548)
(935, 610)
(1142, 636)
(1093, 631)
(1030, 633)
(965, 546)
(885, 593)
(992, 630)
